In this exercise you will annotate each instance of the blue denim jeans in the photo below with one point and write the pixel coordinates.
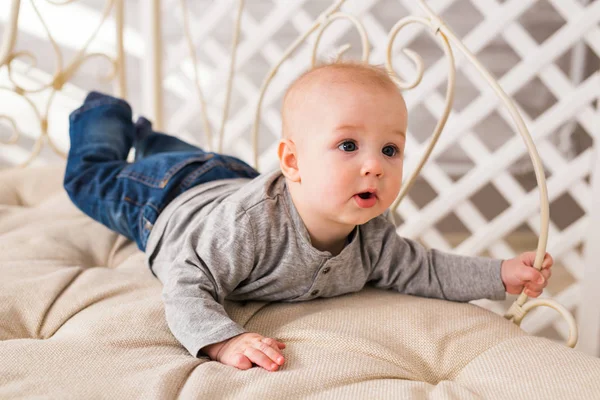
(128, 197)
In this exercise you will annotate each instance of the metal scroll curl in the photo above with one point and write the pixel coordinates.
(520, 307)
(433, 26)
(62, 73)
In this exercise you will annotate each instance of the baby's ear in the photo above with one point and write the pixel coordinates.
(288, 160)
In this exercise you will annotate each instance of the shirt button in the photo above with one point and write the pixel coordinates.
(326, 270)
(314, 293)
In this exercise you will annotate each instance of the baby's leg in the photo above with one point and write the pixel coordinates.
(101, 133)
(148, 142)
(128, 197)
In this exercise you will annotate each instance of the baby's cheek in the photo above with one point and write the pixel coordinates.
(394, 190)
(331, 195)
(385, 201)
(329, 192)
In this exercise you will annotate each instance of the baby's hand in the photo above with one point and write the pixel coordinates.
(518, 272)
(243, 350)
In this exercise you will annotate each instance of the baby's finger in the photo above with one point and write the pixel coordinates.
(269, 348)
(534, 287)
(538, 282)
(528, 257)
(548, 261)
(528, 274)
(259, 358)
(270, 342)
(532, 293)
(277, 345)
(546, 273)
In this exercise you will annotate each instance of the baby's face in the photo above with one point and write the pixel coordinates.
(351, 152)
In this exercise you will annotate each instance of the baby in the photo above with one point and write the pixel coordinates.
(214, 229)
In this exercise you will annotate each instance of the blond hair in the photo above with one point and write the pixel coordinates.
(339, 72)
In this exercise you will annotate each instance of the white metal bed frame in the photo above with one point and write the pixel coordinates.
(153, 106)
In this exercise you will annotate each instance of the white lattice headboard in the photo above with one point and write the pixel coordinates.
(477, 193)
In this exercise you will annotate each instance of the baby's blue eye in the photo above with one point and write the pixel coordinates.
(347, 146)
(390, 151)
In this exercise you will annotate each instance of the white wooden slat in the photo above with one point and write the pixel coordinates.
(466, 212)
(434, 239)
(588, 312)
(552, 76)
(476, 151)
(468, 215)
(431, 237)
(513, 216)
(572, 260)
(246, 50)
(579, 191)
(504, 182)
(513, 80)
(475, 40)
(243, 85)
(202, 27)
(503, 158)
(568, 10)
(569, 238)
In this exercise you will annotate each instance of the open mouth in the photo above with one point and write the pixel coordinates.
(365, 199)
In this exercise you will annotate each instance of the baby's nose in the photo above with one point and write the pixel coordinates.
(372, 166)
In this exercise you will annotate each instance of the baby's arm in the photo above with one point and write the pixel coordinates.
(202, 325)
(406, 266)
(213, 261)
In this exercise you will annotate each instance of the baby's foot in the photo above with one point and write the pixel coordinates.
(91, 96)
(142, 130)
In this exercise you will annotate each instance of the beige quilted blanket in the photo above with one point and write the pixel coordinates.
(81, 318)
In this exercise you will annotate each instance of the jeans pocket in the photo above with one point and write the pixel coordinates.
(158, 170)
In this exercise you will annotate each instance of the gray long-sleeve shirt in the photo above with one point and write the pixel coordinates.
(243, 239)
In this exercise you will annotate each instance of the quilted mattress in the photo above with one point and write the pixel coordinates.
(81, 317)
